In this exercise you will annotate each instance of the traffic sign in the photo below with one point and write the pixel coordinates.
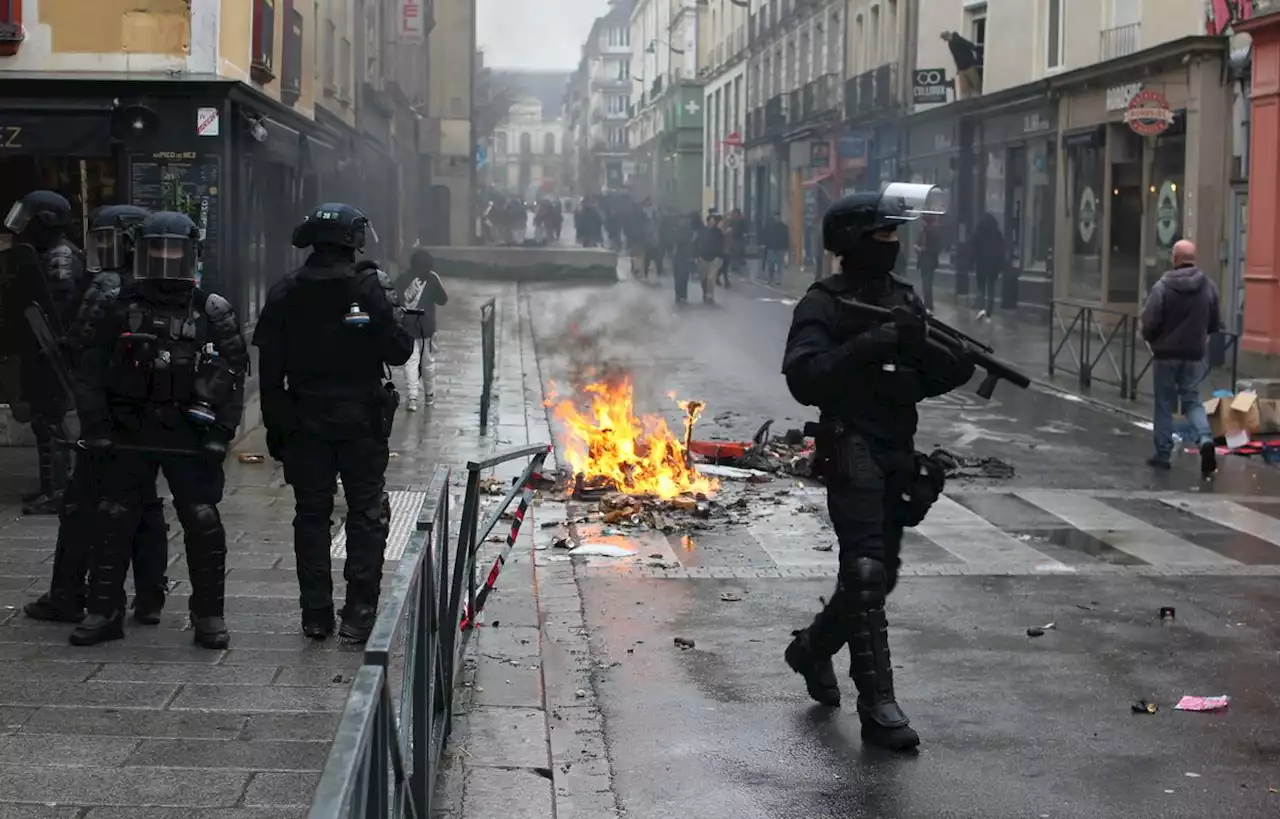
(734, 140)
(733, 160)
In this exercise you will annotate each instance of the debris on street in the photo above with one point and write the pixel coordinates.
(494, 486)
(1168, 613)
(601, 550)
(1144, 707)
(730, 597)
(250, 458)
(1192, 703)
(684, 643)
(988, 468)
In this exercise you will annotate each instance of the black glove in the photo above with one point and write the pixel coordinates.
(276, 441)
(216, 442)
(913, 327)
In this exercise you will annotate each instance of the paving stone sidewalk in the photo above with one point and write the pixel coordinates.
(152, 727)
(528, 742)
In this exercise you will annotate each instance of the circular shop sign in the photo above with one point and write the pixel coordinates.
(1167, 215)
(732, 160)
(1087, 223)
(1148, 113)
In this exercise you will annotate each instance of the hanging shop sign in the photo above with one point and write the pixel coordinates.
(929, 86)
(1148, 113)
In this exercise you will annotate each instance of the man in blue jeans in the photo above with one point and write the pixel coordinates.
(1180, 314)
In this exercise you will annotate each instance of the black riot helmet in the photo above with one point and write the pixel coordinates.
(334, 224)
(113, 232)
(854, 217)
(168, 247)
(44, 210)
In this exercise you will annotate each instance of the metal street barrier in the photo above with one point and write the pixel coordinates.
(1106, 346)
(488, 314)
(386, 756)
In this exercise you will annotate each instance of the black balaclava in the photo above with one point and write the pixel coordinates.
(871, 258)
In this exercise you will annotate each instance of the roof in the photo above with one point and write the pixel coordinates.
(545, 86)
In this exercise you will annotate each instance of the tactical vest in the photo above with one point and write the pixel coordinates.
(326, 345)
(165, 356)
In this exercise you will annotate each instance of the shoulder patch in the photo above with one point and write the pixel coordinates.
(216, 307)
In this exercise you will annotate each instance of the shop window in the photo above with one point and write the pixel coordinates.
(291, 82)
(330, 58)
(1087, 208)
(1126, 218)
(262, 66)
(1164, 205)
(1037, 245)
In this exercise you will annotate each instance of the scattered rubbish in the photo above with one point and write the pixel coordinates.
(684, 643)
(580, 693)
(601, 550)
(1190, 703)
(1168, 613)
(1035, 631)
(250, 458)
(824, 547)
(732, 473)
(493, 486)
(1273, 790)
(561, 542)
(545, 773)
(1168, 790)
(1049, 626)
(962, 467)
(730, 597)
(393, 455)
(762, 477)
(551, 524)
(809, 508)
(1191, 775)
(1144, 707)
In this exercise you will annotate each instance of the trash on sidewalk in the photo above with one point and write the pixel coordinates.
(1193, 703)
(493, 485)
(730, 597)
(684, 643)
(250, 458)
(601, 550)
(732, 473)
(1038, 631)
(1144, 707)
(1168, 613)
(990, 468)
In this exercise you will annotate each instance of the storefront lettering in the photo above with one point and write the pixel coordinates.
(10, 136)
(1118, 97)
(942, 142)
(174, 155)
(1032, 123)
(1148, 113)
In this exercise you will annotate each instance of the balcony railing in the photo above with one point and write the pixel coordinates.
(795, 107)
(871, 92)
(1119, 41)
(775, 114)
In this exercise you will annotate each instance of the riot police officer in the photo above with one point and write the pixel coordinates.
(866, 377)
(41, 219)
(109, 258)
(162, 389)
(331, 329)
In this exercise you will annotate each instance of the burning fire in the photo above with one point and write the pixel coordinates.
(638, 455)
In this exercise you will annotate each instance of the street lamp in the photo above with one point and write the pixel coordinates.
(652, 48)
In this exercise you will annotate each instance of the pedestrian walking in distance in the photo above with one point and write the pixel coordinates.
(424, 293)
(110, 260)
(1180, 314)
(328, 333)
(866, 377)
(162, 377)
(710, 253)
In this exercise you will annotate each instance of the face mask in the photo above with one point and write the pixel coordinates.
(875, 258)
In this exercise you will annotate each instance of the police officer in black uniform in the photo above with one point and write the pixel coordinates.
(109, 258)
(866, 377)
(41, 219)
(162, 388)
(327, 334)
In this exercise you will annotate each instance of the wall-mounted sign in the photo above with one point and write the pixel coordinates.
(820, 154)
(1034, 123)
(410, 23)
(1118, 97)
(930, 86)
(1087, 217)
(1167, 214)
(1148, 113)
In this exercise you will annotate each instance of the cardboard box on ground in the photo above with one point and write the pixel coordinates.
(1244, 413)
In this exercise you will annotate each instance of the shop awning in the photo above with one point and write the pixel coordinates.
(55, 133)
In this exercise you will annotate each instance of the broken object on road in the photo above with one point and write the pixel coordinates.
(730, 597)
(250, 458)
(684, 643)
(601, 550)
(990, 468)
(1193, 703)
(1168, 613)
(1144, 707)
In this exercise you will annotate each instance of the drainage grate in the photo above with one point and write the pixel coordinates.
(404, 520)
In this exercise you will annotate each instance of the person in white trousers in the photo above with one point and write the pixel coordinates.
(424, 293)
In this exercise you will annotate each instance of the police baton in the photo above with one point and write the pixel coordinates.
(106, 447)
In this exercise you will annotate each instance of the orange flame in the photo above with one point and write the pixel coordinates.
(638, 455)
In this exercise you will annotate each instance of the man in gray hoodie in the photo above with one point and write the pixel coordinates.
(1180, 314)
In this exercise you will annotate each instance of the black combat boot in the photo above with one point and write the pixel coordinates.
(106, 600)
(147, 605)
(810, 653)
(357, 621)
(883, 722)
(56, 607)
(318, 624)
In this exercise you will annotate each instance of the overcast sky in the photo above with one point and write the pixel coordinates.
(545, 34)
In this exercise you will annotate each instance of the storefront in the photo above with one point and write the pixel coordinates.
(1015, 153)
(933, 157)
(1143, 163)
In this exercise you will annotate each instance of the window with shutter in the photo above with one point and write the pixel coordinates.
(11, 34)
(262, 65)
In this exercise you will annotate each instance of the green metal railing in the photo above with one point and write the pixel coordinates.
(386, 755)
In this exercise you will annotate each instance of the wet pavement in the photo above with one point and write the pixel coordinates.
(153, 728)
(1084, 536)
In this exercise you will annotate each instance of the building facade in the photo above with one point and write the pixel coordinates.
(450, 123)
(1092, 131)
(598, 106)
(724, 104)
(527, 148)
(666, 127)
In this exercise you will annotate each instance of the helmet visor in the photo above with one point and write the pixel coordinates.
(908, 201)
(104, 249)
(165, 257)
(370, 234)
(18, 218)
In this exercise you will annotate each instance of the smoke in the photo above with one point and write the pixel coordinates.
(607, 335)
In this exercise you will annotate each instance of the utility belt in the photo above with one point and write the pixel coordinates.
(354, 413)
(844, 457)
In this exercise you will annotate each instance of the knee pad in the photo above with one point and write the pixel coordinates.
(379, 514)
(112, 510)
(867, 580)
(204, 518)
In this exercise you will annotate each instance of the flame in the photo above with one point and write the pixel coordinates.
(637, 454)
